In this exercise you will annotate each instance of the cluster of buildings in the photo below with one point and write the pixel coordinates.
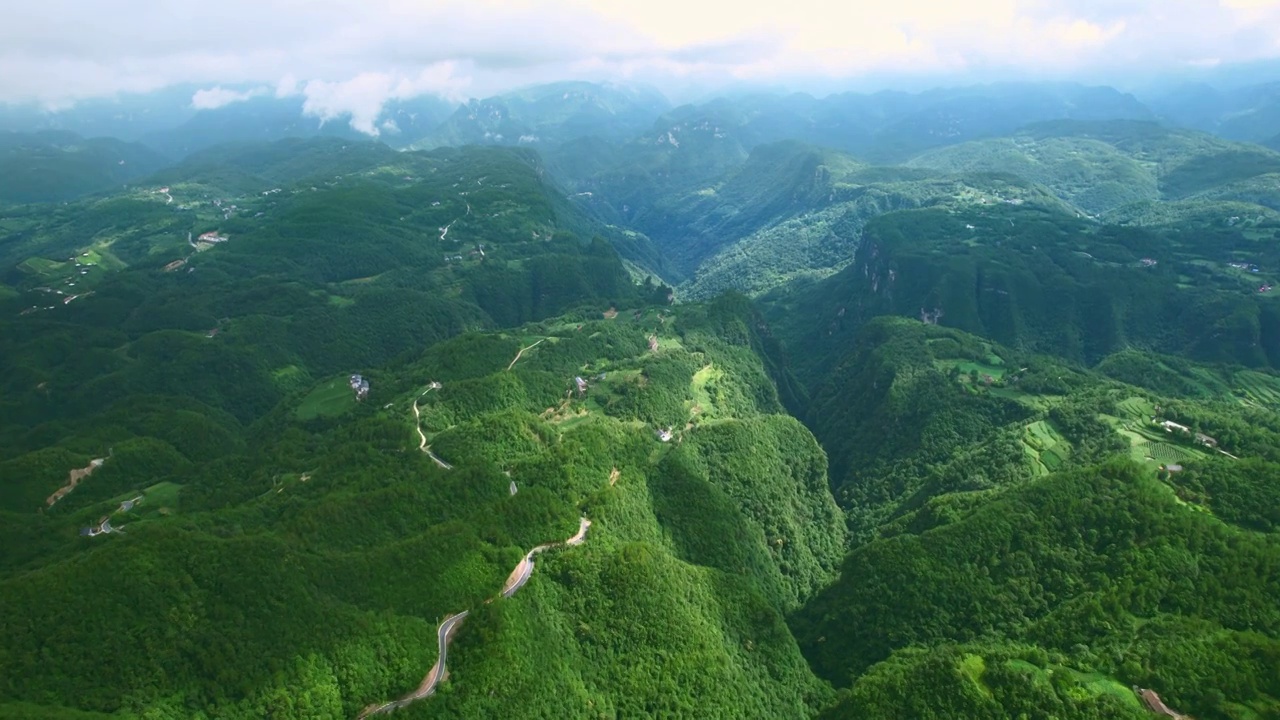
(102, 528)
(360, 386)
(1171, 426)
(1244, 266)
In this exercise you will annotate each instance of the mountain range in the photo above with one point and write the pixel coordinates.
(571, 403)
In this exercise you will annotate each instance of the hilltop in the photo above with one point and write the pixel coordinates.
(57, 166)
(335, 519)
(1016, 524)
(949, 404)
(1103, 167)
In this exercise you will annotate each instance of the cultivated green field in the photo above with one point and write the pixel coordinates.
(331, 399)
(1046, 446)
(1258, 388)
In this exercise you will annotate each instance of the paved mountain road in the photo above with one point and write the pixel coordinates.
(444, 634)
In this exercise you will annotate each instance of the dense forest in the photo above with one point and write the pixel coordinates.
(685, 418)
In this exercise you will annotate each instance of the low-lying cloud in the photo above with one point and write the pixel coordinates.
(218, 96)
(347, 58)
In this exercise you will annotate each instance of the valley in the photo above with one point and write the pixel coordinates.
(959, 403)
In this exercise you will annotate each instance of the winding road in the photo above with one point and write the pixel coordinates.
(445, 230)
(524, 569)
(444, 634)
(422, 441)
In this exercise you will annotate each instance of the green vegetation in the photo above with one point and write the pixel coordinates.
(974, 454)
(1045, 282)
(1010, 556)
(331, 399)
(1103, 167)
(57, 166)
(297, 566)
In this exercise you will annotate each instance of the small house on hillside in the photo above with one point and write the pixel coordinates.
(1170, 426)
(360, 386)
(1206, 440)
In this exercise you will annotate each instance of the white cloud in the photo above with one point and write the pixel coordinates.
(361, 98)
(216, 97)
(347, 55)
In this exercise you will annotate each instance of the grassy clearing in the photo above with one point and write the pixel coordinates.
(1082, 686)
(1164, 453)
(331, 399)
(162, 495)
(43, 267)
(701, 396)
(981, 368)
(290, 377)
(973, 666)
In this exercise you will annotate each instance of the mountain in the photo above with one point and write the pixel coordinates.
(128, 116)
(1018, 522)
(317, 427)
(889, 127)
(267, 118)
(58, 166)
(328, 511)
(550, 114)
(721, 187)
(340, 274)
(1041, 280)
(791, 211)
(1248, 112)
(1102, 167)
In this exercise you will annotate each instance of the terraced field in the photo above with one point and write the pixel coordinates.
(1045, 446)
(1258, 388)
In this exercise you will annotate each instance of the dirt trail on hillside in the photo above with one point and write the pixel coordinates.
(73, 479)
(417, 425)
(516, 359)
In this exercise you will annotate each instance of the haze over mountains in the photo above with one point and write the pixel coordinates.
(951, 403)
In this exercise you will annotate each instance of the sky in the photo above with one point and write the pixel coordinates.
(349, 57)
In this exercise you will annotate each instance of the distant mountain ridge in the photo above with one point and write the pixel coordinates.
(549, 114)
(52, 166)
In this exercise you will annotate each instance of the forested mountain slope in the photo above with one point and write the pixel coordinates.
(1249, 112)
(788, 211)
(1031, 537)
(1048, 282)
(237, 300)
(297, 568)
(316, 428)
(57, 166)
(1102, 167)
(550, 114)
